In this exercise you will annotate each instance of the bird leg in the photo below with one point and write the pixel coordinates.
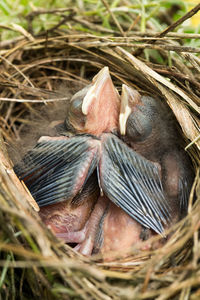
(76, 226)
(91, 228)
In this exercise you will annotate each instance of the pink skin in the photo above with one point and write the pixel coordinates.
(78, 225)
(120, 230)
(67, 221)
(100, 106)
(92, 226)
(103, 116)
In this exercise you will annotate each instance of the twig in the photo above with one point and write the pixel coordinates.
(173, 26)
(18, 70)
(113, 17)
(24, 32)
(178, 75)
(37, 12)
(33, 101)
(188, 15)
(140, 46)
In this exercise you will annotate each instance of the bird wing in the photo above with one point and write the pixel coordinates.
(133, 183)
(56, 169)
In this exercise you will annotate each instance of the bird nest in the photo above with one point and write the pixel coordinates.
(39, 74)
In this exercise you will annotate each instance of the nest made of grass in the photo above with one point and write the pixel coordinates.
(34, 263)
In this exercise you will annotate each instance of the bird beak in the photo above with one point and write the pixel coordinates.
(129, 98)
(101, 103)
(96, 90)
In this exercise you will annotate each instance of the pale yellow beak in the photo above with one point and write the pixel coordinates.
(129, 97)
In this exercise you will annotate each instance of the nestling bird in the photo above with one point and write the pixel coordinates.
(60, 171)
(147, 126)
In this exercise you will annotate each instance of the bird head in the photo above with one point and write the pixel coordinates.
(95, 109)
(138, 114)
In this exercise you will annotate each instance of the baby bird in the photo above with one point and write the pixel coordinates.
(60, 171)
(148, 127)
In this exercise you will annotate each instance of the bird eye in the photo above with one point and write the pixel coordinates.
(76, 106)
(75, 120)
(139, 127)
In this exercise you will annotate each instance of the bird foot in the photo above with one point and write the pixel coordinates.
(92, 227)
(75, 237)
(85, 238)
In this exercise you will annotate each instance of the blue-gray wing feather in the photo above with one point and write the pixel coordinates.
(133, 183)
(53, 168)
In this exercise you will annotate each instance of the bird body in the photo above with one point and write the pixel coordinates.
(149, 129)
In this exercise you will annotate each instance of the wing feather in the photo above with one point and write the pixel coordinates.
(56, 169)
(133, 183)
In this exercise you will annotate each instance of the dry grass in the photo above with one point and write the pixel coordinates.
(34, 265)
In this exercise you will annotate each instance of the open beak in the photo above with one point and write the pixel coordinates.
(101, 104)
(129, 98)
